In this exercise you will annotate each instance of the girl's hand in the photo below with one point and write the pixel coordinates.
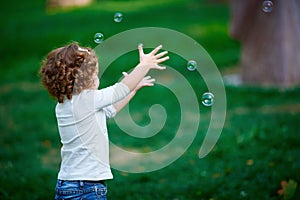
(136, 78)
(146, 81)
(153, 59)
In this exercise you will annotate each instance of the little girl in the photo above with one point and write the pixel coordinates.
(70, 74)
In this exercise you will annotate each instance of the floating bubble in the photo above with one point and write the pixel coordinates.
(98, 38)
(207, 99)
(118, 17)
(243, 194)
(267, 6)
(191, 65)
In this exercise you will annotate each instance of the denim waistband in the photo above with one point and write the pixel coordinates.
(81, 182)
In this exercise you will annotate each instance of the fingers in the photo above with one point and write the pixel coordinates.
(161, 54)
(149, 79)
(141, 51)
(124, 74)
(160, 57)
(163, 59)
(154, 51)
(148, 82)
(152, 59)
(160, 67)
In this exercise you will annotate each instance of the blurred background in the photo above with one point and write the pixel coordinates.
(255, 45)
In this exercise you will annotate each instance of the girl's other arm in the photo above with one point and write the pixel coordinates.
(146, 81)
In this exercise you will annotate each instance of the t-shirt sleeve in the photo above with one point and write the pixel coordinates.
(110, 111)
(105, 97)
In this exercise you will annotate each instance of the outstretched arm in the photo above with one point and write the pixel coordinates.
(136, 79)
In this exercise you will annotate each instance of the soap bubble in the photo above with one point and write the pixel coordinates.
(243, 194)
(118, 17)
(191, 65)
(98, 38)
(207, 99)
(267, 6)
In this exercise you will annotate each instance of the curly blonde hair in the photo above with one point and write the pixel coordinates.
(68, 70)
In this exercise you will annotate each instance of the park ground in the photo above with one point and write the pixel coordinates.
(257, 152)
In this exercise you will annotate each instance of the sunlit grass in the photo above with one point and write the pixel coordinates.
(259, 145)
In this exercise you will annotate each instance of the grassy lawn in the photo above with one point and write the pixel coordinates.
(259, 146)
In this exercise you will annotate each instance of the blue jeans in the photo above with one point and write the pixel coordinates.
(80, 190)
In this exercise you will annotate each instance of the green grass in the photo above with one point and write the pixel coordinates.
(259, 146)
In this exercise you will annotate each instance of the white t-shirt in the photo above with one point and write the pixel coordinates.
(83, 132)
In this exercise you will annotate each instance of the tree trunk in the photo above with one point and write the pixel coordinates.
(270, 41)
